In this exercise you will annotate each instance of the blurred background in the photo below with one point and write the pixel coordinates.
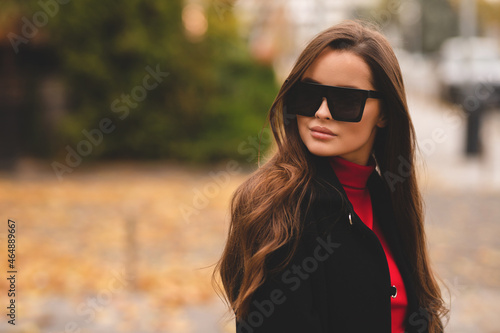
(125, 127)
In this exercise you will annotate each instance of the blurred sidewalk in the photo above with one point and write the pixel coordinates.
(441, 134)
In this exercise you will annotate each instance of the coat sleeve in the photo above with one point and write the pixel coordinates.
(285, 301)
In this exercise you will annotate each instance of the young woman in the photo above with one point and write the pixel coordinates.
(328, 235)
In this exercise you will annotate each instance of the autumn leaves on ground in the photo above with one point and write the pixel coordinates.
(117, 248)
(130, 247)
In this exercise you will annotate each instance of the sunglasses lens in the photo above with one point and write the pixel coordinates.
(304, 99)
(345, 104)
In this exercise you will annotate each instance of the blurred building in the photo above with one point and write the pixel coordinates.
(278, 30)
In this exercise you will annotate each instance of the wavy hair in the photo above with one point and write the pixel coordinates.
(266, 208)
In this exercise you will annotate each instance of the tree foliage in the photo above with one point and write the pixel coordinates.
(214, 96)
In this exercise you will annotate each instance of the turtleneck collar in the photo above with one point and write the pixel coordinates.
(351, 174)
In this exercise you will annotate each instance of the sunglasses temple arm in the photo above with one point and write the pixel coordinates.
(374, 94)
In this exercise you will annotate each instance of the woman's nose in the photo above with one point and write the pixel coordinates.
(323, 111)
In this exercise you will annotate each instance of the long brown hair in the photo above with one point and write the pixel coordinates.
(265, 209)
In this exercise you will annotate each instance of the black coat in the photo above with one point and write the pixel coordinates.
(338, 280)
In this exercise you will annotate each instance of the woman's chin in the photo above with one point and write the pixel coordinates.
(322, 152)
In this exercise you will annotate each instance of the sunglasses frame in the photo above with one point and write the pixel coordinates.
(366, 94)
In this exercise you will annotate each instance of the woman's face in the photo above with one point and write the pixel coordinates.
(351, 141)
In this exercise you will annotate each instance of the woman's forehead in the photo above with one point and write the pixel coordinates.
(340, 68)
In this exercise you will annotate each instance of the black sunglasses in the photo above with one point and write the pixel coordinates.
(345, 104)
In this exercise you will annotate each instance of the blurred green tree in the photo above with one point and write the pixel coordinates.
(209, 94)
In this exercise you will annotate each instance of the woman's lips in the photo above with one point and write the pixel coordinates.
(319, 132)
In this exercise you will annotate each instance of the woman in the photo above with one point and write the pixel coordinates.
(328, 235)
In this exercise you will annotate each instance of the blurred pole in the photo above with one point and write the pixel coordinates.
(131, 246)
(468, 29)
(473, 145)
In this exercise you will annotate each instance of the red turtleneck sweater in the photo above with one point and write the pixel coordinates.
(353, 178)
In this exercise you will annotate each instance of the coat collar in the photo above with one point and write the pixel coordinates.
(350, 174)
